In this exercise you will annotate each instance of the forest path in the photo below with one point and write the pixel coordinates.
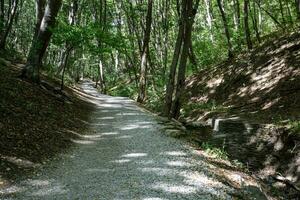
(124, 155)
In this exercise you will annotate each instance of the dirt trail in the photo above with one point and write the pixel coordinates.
(124, 156)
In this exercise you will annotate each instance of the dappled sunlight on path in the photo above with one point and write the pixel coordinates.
(123, 156)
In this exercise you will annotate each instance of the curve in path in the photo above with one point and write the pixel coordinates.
(124, 156)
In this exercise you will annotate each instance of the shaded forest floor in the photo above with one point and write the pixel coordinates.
(253, 103)
(35, 121)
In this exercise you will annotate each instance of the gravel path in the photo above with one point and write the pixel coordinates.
(125, 156)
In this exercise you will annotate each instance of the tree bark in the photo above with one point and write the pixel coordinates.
(39, 46)
(255, 23)
(209, 18)
(172, 73)
(11, 16)
(226, 28)
(297, 5)
(145, 50)
(246, 24)
(188, 17)
(1, 15)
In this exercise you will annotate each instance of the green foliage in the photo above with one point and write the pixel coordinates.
(208, 106)
(124, 90)
(294, 127)
(214, 151)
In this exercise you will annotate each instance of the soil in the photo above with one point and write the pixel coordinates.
(261, 90)
(35, 122)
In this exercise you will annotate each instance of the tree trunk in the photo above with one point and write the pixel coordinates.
(65, 63)
(145, 50)
(226, 28)
(255, 23)
(209, 19)
(39, 46)
(237, 14)
(192, 56)
(101, 77)
(172, 73)
(2, 13)
(297, 4)
(7, 29)
(282, 12)
(246, 24)
(188, 17)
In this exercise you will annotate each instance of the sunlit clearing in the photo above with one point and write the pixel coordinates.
(130, 127)
(179, 164)
(128, 114)
(50, 191)
(82, 141)
(159, 171)
(134, 155)
(105, 118)
(124, 137)
(121, 161)
(99, 170)
(200, 180)
(174, 153)
(19, 161)
(182, 189)
(11, 190)
(110, 133)
(38, 182)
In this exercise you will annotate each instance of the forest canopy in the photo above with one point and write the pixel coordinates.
(141, 49)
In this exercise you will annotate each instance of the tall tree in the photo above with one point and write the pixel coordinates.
(144, 54)
(41, 42)
(297, 5)
(5, 27)
(246, 24)
(226, 28)
(188, 12)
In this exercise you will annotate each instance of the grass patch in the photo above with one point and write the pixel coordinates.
(294, 126)
(210, 106)
(214, 151)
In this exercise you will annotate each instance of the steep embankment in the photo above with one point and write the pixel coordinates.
(261, 90)
(263, 84)
(35, 121)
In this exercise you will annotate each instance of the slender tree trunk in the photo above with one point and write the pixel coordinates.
(39, 47)
(172, 73)
(282, 12)
(246, 24)
(166, 37)
(255, 23)
(192, 56)
(289, 12)
(101, 77)
(297, 4)
(188, 17)
(2, 13)
(7, 29)
(226, 28)
(209, 19)
(65, 63)
(143, 80)
(269, 14)
(68, 47)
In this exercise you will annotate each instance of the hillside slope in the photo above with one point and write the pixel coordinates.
(35, 123)
(263, 84)
(253, 106)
